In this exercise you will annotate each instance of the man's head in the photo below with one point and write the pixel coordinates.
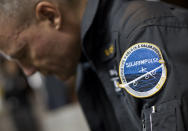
(42, 35)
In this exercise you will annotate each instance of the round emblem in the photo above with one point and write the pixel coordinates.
(142, 70)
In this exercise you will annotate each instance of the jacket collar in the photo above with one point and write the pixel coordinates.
(89, 15)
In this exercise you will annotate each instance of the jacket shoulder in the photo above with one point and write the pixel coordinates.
(144, 13)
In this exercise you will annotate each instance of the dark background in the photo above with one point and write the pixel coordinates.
(183, 3)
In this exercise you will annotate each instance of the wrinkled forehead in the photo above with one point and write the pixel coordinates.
(7, 31)
(9, 26)
(8, 36)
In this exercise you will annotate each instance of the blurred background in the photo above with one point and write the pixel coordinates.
(37, 103)
(41, 103)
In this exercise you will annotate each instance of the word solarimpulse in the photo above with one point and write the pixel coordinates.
(141, 62)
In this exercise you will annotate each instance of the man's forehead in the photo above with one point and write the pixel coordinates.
(6, 34)
(8, 40)
(7, 30)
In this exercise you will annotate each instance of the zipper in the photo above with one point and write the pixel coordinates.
(143, 125)
(151, 126)
(152, 112)
(143, 122)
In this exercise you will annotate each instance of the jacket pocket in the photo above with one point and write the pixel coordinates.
(164, 120)
(165, 116)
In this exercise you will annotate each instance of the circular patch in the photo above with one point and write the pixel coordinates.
(142, 70)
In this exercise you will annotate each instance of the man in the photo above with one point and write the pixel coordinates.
(142, 40)
(56, 21)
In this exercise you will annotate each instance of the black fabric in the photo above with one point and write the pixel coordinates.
(98, 110)
(121, 24)
(57, 92)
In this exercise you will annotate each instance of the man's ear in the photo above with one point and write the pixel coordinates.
(48, 11)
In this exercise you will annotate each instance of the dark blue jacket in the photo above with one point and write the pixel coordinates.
(112, 29)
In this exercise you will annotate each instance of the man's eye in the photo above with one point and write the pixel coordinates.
(19, 55)
(21, 52)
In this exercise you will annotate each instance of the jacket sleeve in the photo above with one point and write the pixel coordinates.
(171, 37)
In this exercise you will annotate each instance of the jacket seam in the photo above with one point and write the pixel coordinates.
(141, 25)
(141, 28)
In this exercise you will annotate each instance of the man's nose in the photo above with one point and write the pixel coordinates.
(28, 70)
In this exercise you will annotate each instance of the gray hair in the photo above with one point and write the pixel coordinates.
(21, 10)
(24, 10)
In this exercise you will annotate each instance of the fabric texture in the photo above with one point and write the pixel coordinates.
(109, 29)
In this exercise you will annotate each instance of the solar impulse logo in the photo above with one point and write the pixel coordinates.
(142, 70)
(141, 62)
